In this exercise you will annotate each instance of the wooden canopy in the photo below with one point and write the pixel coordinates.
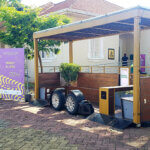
(110, 24)
(128, 20)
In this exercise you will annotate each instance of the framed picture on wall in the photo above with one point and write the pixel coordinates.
(111, 53)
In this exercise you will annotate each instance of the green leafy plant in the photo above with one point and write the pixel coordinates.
(69, 72)
(12, 3)
(20, 26)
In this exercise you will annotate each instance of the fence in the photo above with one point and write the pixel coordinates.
(86, 69)
(90, 78)
(101, 69)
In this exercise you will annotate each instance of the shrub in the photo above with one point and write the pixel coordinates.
(69, 72)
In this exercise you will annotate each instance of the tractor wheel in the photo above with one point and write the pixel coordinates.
(58, 100)
(72, 104)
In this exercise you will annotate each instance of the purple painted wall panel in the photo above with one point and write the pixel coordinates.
(12, 73)
(142, 61)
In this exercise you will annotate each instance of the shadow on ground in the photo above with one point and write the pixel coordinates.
(76, 132)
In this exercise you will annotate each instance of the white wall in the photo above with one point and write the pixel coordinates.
(80, 55)
(63, 56)
(145, 46)
(127, 43)
(81, 49)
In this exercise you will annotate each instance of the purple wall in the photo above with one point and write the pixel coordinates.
(12, 73)
(142, 61)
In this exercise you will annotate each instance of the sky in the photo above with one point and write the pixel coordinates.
(123, 3)
(39, 2)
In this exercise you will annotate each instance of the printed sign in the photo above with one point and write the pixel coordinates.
(142, 61)
(124, 76)
(12, 73)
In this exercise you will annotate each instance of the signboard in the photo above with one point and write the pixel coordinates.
(142, 62)
(124, 76)
(12, 73)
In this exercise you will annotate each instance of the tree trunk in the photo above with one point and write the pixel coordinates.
(40, 61)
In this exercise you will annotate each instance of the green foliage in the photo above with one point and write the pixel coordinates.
(16, 4)
(11, 3)
(20, 26)
(69, 71)
(30, 86)
(3, 3)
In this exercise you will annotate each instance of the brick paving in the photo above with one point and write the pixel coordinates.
(26, 127)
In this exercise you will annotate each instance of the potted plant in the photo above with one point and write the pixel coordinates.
(72, 100)
(69, 72)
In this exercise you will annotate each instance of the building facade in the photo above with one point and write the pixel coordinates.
(86, 52)
(91, 52)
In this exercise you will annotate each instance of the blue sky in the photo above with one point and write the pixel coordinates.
(123, 3)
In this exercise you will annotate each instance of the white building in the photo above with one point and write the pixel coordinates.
(92, 52)
(86, 52)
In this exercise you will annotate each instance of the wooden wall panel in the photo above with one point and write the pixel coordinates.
(88, 83)
(89, 93)
(49, 79)
(145, 98)
(96, 80)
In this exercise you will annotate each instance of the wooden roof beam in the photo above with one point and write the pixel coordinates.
(103, 36)
(130, 24)
(66, 38)
(145, 13)
(78, 36)
(106, 29)
(57, 39)
(88, 33)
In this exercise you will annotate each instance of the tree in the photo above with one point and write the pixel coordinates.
(2, 3)
(20, 26)
(10, 3)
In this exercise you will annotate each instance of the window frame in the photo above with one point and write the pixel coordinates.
(101, 50)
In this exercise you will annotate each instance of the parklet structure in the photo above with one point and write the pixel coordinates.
(124, 21)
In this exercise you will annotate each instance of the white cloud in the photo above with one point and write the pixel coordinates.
(131, 3)
(38, 2)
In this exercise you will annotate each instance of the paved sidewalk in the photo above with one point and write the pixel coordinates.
(26, 127)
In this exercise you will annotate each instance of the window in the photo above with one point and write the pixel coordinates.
(96, 49)
(47, 56)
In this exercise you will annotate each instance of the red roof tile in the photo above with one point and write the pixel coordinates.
(46, 7)
(59, 6)
(95, 6)
(92, 6)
